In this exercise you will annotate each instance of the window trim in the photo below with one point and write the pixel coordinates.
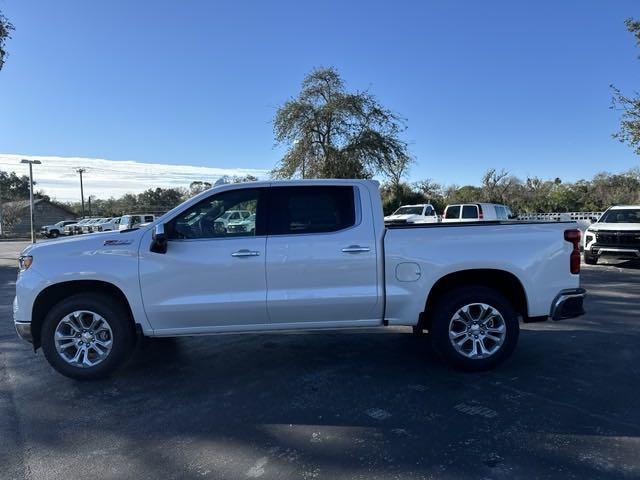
(357, 205)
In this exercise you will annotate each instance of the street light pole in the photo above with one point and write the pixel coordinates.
(81, 171)
(31, 164)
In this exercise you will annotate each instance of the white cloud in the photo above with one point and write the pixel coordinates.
(112, 178)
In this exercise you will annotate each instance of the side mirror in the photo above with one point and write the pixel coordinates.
(159, 241)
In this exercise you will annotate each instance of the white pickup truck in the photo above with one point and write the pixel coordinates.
(319, 257)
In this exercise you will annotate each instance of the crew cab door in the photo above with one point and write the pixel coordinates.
(209, 279)
(321, 257)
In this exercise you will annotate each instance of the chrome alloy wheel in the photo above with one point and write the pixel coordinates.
(477, 330)
(83, 339)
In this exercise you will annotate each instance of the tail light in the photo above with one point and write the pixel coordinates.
(573, 236)
(480, 213)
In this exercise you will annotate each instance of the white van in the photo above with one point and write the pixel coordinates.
(421, 213)
(476, 212)
(133, 221)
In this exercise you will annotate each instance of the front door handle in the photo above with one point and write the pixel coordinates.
(245, 253)
(355, 249)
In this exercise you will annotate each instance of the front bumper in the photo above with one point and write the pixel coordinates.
(568, 304)
(24, 331)
(624, 252)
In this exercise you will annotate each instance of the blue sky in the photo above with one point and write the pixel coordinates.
(520, 85)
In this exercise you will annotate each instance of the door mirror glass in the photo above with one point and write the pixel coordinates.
(159, 239)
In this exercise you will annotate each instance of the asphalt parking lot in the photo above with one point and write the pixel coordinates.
(371, 404)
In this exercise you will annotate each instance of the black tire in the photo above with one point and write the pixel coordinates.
(447, 307)
(54, 234)
(114, 313)
(590, 259)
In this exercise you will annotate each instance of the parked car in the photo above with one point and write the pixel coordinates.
(108, 225)
(247, 225)
(476, 212)
(55, 230)
(75, 228)
(320, 258)
(231, 216)
(616, 233)
(91, 225)
(133, 221)
(421, 213)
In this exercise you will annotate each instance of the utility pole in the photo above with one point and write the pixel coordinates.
(81, 171)
(31, 164)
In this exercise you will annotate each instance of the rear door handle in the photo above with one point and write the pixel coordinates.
(355, 249)
(245, 253)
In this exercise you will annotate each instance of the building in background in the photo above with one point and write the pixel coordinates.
(15, 216)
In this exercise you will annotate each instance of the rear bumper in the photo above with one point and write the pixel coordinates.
(568, 304)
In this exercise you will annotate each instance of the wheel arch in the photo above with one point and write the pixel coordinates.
(503, 281)
(53, 294)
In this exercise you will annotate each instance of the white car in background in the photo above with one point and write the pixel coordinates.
(421, 213)
(76, 228)
(92, 225)
(110, 224)
(54, 231)
(245, 225)
(231, 216)
(476, 212)
(616, 233)
(136, 220)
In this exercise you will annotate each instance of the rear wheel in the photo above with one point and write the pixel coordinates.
(87, 336)
(474, 328)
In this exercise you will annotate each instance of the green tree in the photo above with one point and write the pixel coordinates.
(629, 106)
(332, 133)
(13, 187)
(5, 33)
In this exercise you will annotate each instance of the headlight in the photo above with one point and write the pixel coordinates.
(24, 262)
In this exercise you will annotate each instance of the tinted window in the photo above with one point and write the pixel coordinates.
(297, 210)
(453, 211)
(210, 217)
(469, 211)
(429, 211)
(148, 218)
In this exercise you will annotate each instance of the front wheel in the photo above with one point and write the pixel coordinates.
(87, 336)
(474, 328)
(590, 259)
(54, 234)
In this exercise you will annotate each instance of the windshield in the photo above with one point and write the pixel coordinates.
(408, 211)
(626, 215)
